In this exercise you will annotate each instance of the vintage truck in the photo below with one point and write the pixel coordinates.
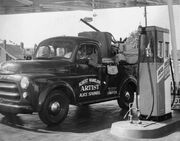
(65, 70)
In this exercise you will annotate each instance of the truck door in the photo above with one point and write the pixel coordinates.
(89, 81)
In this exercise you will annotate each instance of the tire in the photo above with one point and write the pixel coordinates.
(126, 96)
(55, 108)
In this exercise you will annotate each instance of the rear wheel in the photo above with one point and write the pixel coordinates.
(55, 108)
(126, 96)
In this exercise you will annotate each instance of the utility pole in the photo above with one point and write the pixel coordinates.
(173, 41)
(145, 15)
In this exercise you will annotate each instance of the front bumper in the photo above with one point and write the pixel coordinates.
(15, 108)
(11, 100)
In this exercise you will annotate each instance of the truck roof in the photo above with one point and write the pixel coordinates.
(74, 38)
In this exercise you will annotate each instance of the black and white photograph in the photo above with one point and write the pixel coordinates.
(89, 70)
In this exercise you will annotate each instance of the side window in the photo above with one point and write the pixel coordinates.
(81, 53)
(88, 51)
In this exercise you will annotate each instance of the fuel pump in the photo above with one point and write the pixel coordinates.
(154, 74)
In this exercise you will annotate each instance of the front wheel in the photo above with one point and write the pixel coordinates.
(55, 108)
(126, 96)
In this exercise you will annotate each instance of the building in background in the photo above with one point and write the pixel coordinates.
(11, 51)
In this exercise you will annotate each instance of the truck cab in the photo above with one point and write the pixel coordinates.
(64, 70)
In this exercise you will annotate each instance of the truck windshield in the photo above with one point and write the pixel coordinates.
(55, 49)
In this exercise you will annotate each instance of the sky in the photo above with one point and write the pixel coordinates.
(33, 28)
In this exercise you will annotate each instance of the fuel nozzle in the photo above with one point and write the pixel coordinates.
(130, 113)
(148, 51)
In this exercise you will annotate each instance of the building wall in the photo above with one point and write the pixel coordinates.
(10, 52)
(2, 54)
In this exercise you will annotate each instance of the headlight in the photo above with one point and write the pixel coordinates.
(24, 82)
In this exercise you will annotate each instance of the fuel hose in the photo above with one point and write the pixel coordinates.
(152, 89)
(143, 38)
(173, 82)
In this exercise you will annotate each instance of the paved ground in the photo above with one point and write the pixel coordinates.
(90, 123)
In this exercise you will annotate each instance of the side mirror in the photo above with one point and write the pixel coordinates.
(28, 57)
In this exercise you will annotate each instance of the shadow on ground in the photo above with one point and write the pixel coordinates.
(83, 119)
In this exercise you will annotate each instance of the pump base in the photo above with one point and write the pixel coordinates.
(156, 118)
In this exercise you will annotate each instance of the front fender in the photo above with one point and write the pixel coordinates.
(57, 85)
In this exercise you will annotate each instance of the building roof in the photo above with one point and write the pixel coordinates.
(14, 50)
(32, 6)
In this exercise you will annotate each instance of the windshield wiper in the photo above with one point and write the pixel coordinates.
(44, 58)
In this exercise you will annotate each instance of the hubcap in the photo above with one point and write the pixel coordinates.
(127, 95)
(55, 107)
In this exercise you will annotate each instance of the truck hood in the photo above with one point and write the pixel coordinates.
(35, 66)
